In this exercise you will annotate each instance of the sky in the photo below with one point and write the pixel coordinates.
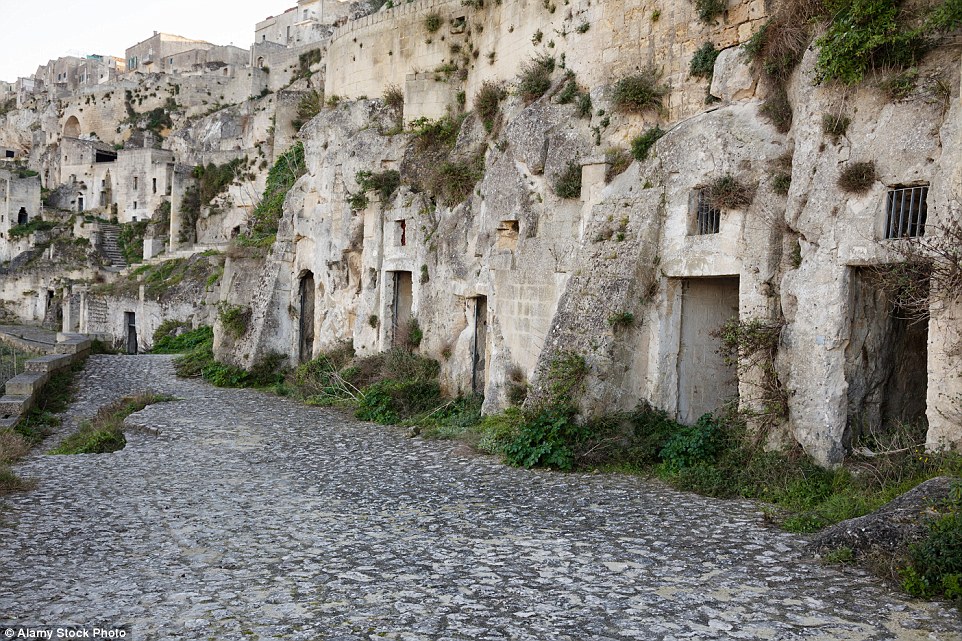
(35, 32)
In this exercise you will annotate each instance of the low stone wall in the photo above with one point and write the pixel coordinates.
(22, 391)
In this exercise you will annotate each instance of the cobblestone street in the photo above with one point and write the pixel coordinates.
(238, 515)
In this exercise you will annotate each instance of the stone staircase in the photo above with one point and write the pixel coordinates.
(109, 246)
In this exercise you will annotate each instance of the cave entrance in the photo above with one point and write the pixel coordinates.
(705, 381)
(130, 323)
(307, 295)
(22, 217)
(402, 302)
(886, 360)
(479, 346)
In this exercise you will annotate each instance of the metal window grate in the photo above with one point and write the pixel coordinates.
(905, 211)
(707, 216)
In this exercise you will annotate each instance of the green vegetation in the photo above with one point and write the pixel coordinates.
(385, 183)
(160, 278)
(708, 10)
(858, 177)
(641, 92)
(173, 337)
(641, 145)
(309, 106)
(567, 184)
(438, 170)
(935, 562)
(105, 431)
(130, 241)
(835, 125)
(235, 319)
(621, 320)
(488, 103)
(777, 109)
(199, 362)
(534, 80)
(282, 176)
(703, 62)
(35, 225)
(304, 63)
(433, 22)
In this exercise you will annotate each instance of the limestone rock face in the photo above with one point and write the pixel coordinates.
(733, 78)
(892, 527)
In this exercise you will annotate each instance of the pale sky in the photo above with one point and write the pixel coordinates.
(35, 32)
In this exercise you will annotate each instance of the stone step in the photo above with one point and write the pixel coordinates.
(49, 364)
(15, 405)
(26, 384)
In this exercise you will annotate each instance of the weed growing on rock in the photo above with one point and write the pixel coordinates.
(835, 125)
(703, 62)
(488, 103)
(641, 92)
(858, 177)
(641, 145)
(534, 80)
(567, 184)
(727, 192)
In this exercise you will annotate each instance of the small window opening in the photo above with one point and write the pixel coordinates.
(402, 226)
(155, 185)
(136, 182)
(508, 234)
(135, 207)
(707, 216)
(906, 209)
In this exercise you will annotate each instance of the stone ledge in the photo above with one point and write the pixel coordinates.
(50, 363)
(26, 384)
(15, 405)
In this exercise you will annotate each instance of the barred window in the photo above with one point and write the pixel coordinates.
(905, 211)
(707, 216)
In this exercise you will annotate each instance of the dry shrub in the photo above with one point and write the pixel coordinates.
(13, 446)
(781, 42)
(727, 192)
(778, 110)
(858, 177)
(617, 161)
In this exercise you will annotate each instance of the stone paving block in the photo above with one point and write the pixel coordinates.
(234, 514)
(50, 363)
(14, 405)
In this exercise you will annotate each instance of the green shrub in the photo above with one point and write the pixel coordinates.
(865, 35)
(621, 319)
(454, 180)
(235, 319)
(936, 560)
(781, 183)
(390, 401)
(130, 241)
(858, 177)
(488, 103)
(385, 183)
(617, 161)
(309, 106)
(35, 225)
(168, 342)
(567, 184)
(692, 445)
(433, 22)
(642, 144)
(281, 177)
(546, 438)
(640, 92)
(703, 62)
(708, 10)
(534, 80)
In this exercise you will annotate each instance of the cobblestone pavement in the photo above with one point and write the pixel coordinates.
(238, 515)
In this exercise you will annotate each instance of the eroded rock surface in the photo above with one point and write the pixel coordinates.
(250, 516)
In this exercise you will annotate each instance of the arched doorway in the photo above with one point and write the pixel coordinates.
(306, 351)
(71, 128)
(22, 217)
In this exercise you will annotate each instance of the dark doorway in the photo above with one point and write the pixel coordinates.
(306, 350)
(705, 381)
(130, 320)
(886, 360)
(22, 217)
(479, 347)
(401, 304)
(80, 203)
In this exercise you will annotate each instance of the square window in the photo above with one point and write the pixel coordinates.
(707, 216)
(906, 209)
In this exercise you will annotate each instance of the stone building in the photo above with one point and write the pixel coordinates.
(19, 204)
(153, 55)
